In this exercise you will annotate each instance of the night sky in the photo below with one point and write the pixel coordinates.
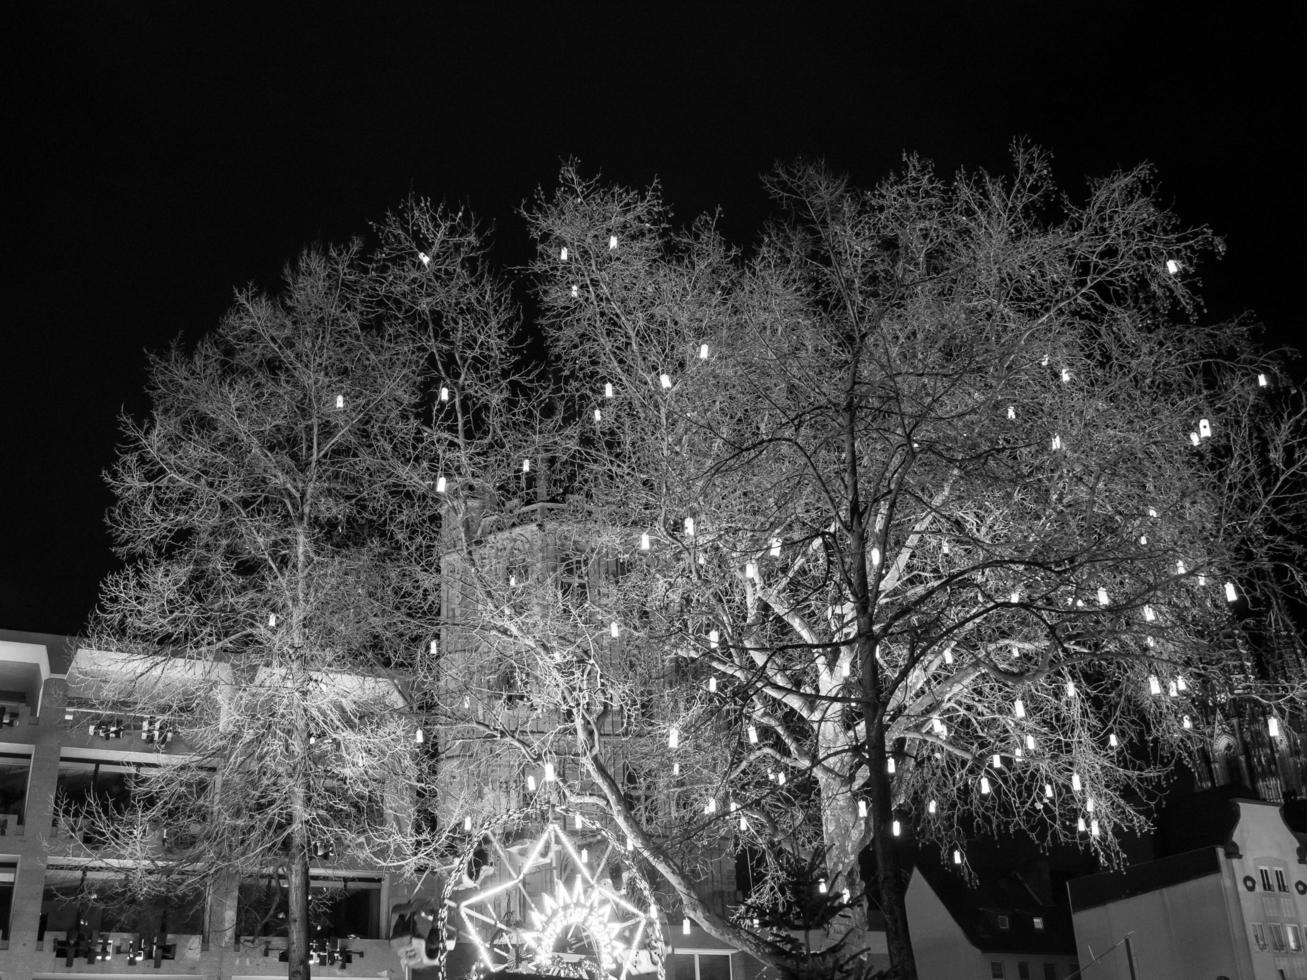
(159, 155)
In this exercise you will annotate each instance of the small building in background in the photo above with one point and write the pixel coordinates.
(1229, 903)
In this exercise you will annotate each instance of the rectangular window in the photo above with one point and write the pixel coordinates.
(1295, 938)
(1038, 922)
(1050, 971)
(1266, 878)
(8, 872)
(1280, 883)
(996, 970)
(1023, 971)
(14, 769)
(337, 907)
(1259, 935)
(1004, 922)
(1277, 936)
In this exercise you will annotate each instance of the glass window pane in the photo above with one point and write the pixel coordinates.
(714, 967)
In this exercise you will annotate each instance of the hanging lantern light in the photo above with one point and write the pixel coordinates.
(894, 828)
(714, 638)
(1093, 828)
(576, 291)
(1075, 782)
(775, 551)
(608, 389)
(1048, 791)
(744, 822)
(1057, 441)
(712, 685)
(1262, 381)
(1273, 726)
(440, 484)
(614, 630)
(432, 647)
(1111, 740)
(424, 258)
(889, 765)
(1149, 615)
(1204, 429)
(272, 620)
(1030, 743)
(711, 806)
(1230, 594)
(1154, 687)
(562, 254)
(685, 926)
(444, 393)
(612, 242)
(703, 352)
(526, 466)
(340, 401)
(1016, 597)
(665, 380)
(1181, 684)
(599, 416)
(1070, 689)
(1143, 540)
(875, 557)
(1103, 599)
(1080, 824)
(753, 735)
(1019, 709)
(1193, 438)
(1012, 412)
(689, 527)
(1066, 375)
(673, 738)
(957, 856)
(1172, 689)
(644, 541)
(948, 654)
(1179, 566)
(1173, 267)
(751, 571)
(418, 737)
(467, 823)
(998, 761)
(550, 775)
(530, 783)
(862, 809)
(936, 724)
(984, 785)
(1187, 723)
(931, 807)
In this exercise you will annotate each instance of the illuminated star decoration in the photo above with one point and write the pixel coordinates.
(586, 922)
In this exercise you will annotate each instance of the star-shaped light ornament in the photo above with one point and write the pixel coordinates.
(574, 917)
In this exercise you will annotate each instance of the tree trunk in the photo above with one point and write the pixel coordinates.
(297, 898)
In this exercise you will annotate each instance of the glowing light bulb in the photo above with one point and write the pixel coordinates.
(1179, 566)
(1273, 726)
(1016, 597)
(614, 630)
(751, 571)
(862, 808)
(1066, 375)
(1018, 708)
(846, 669)
(1172, 690)
(585, 855)
(931, 807)
(936, 724)
(1143, 540)
(1153, 686)
(432, 647)
(875, 557)
(984, 785)
(889, 765)
(1057, 441)
(444, 393)
(957, 857)
(424, 258)
(1187, 723)
(608, 389)
(673, 738)
(644, 541)
(1181, 684)
(1173, 267)
(685, 926)
(1089, 804)
(526, 466)
(894, 828)
(1193, 438)
(753, 735)
(1048, 791)
(1075, 782)
(1262, 381)
(1149, 615)
(1030, 743)
(1093, 828)
(1230, 594)
(744, 823)
(1103, 599)
(440, 484)
(272, 620)
(780, 779)
(1070, 689)
(1111, 740)
(577, 822)
(599, 416)
(576, 291)
(467, 823)
(1080, 824)
(340, 401)
(1012, 412)
(948, 654)
(562, 254)
(998, 761)
(703, 352)
(665, 380)
(418, 737)
(712, 685)
(531, 784)
(612, 242)
(844, 896)
(821, 886)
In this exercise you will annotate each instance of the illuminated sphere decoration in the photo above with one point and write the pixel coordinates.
(547, 910)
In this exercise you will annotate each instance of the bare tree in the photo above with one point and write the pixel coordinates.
(278, 512)
(940, 498)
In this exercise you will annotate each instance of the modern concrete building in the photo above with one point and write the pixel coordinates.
(59, 916)
(1233, 905)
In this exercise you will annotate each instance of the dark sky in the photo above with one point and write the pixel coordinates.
(158, 155)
